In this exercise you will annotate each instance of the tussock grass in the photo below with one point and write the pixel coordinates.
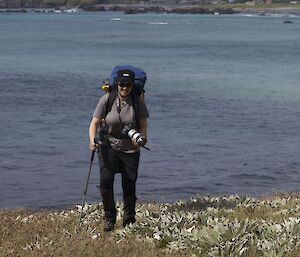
(203, 226)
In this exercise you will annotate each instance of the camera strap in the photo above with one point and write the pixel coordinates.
(119, 105)
(119, 111)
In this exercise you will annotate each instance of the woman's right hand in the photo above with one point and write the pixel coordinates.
(92, 134)
(93, 146)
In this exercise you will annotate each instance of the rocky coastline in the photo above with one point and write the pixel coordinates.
(139, 9)
(131, 9)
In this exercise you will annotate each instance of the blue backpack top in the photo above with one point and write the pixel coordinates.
(110, 86)
(140, 78)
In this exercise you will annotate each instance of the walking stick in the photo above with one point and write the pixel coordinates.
(87, 183)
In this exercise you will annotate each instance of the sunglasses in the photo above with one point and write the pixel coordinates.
(124, 84)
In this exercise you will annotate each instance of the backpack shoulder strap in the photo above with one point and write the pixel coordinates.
(135, 101)
(111, 98)
(135, 104)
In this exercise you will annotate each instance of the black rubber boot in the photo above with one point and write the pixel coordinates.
(129, 211)
(110, 212)
(109, 225)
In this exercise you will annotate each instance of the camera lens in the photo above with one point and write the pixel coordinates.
(136, 136)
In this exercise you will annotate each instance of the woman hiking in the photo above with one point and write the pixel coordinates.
(117, 151)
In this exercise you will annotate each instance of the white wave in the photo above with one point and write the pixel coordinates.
(71, 10)
(116, 19)
(158, 23)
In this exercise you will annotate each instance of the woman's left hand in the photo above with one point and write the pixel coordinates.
(134, 142)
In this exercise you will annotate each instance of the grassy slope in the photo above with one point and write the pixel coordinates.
(52, 234)
(222, 226)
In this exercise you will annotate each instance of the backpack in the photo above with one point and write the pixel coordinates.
(110, 86)
(140, 78)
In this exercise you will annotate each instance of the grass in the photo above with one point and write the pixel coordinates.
(203, 226)
(48, 233)
(274, 7)
(260, 5)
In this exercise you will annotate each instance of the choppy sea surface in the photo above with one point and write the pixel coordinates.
(223, 93)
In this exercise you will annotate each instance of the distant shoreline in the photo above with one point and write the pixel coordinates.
(137, 9)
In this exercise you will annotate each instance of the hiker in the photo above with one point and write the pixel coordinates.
(117, 151)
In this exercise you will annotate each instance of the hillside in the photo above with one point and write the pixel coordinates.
(203, 226)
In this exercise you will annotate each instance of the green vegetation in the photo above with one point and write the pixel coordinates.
(257, 5)
(57, 3)
(203, 226)
(265, 6)
(94, 3)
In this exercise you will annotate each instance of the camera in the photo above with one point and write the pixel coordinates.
(134, 134)
(137, 137)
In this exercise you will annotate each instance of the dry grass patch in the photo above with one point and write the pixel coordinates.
(203, 226)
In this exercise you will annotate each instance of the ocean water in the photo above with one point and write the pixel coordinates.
(223, 93)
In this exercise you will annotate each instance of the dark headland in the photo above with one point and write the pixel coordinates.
(152, 6)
